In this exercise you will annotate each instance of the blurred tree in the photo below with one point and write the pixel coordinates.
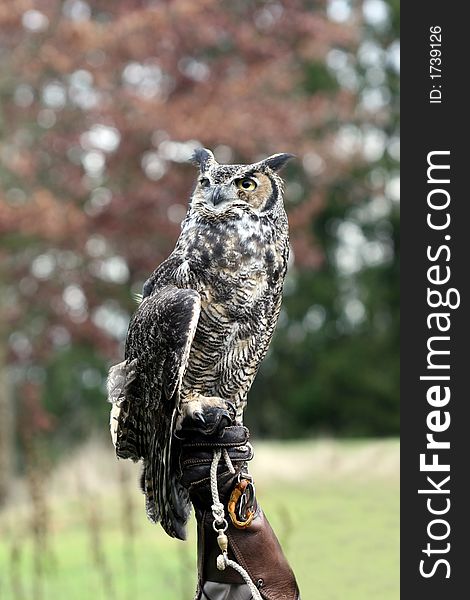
(102, 103)
(335, 364)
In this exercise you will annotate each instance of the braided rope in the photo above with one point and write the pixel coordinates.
(228, 461)
(217, 506)
(220, 523)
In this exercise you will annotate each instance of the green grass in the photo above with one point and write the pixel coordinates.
(338, 526)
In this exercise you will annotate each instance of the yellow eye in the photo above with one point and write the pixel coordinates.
(246, 184)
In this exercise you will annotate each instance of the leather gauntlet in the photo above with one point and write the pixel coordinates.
(255, 547)
(197, 452)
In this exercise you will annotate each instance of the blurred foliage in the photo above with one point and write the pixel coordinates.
(102, 103)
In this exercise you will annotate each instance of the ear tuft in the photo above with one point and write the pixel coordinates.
(203, 158)
(277, 161)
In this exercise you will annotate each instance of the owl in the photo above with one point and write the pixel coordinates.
(203, 326)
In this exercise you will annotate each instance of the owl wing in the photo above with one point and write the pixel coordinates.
(144, 392)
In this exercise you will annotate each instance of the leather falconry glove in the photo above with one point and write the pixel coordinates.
(252, 543)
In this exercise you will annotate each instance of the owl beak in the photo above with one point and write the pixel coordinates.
(217, 195)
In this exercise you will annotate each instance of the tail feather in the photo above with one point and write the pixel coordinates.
(167, 501)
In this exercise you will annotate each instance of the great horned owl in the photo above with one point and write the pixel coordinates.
(204, 325)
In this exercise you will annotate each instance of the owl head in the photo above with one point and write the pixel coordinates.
(225, 190)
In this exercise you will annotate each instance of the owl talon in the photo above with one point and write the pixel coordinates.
(208, 420)
(198, 416)
(217, 420)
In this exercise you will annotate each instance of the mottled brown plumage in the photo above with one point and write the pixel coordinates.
(204, 325)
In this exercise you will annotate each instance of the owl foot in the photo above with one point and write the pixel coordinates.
(206, 415)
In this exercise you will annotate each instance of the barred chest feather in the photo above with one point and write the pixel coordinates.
(233, 261)
(237, 267)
